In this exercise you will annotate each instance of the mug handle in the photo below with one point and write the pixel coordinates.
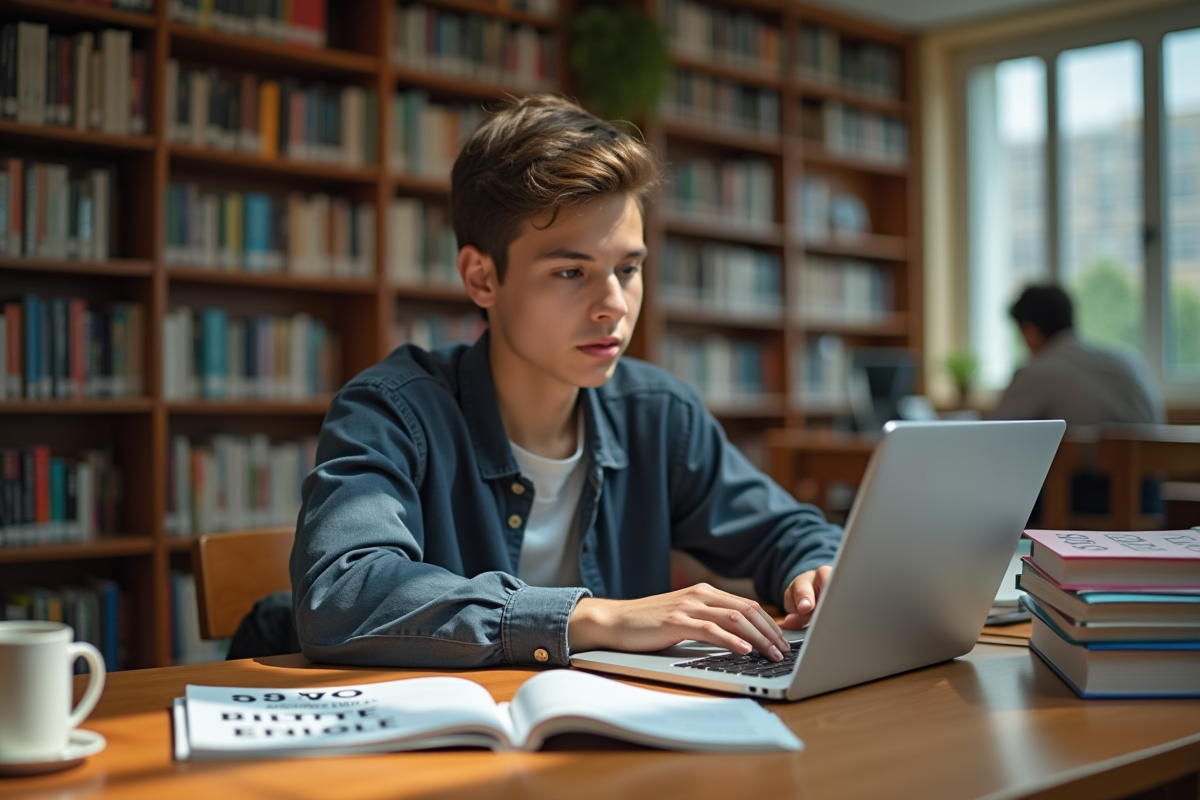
(95, 681)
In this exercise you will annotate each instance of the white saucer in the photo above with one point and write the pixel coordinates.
(83, 743)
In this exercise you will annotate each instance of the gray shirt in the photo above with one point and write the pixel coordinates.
(1085, 385)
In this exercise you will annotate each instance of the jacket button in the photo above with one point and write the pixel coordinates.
(514, 521)
(541, 655)
(518, 488)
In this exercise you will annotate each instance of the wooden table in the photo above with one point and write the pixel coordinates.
(996, 723)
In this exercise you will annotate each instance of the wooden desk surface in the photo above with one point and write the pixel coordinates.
(996, 724)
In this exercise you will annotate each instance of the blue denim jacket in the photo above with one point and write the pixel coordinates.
(410, 533)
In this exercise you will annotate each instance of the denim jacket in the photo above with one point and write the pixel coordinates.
(410, 531)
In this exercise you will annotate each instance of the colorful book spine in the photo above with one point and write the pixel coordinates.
(721, 279)
(725, 371)
(50, 499)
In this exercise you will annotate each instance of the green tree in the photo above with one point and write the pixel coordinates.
(1183, 351)
(1108, 306)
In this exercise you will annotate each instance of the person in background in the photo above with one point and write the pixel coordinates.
(1069, 379)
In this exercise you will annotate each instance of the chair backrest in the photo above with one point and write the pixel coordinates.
(234, 570)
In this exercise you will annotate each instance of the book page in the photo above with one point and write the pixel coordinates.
(386, 716)
(567, 701)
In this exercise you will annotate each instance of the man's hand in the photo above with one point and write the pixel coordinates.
(800, 599)
(698, 612)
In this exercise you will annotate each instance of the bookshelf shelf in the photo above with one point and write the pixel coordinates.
(272, 281)
(132, 405)
(107, 547)
(828, 91)
(886, 248)
(129, 267)
(768, 406)
(815, 154)
(719, 69)
(723, 136)
(500, 10)
(75, 11)
(448, 84)
(62, 136)
(767, 320)
(191, 42)
(181, 544)
(446, 294)
(714, 227)
(242, 163)
(257, 408)
(894, 325)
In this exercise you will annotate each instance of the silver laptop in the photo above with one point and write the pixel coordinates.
(929, 537)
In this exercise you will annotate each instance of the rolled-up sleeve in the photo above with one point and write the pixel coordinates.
(735, 519)
(362, 591)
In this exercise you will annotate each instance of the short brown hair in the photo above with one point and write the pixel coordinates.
(534, 155)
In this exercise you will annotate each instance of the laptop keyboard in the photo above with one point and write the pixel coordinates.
(751, 664)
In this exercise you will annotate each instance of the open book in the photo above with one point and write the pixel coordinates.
(215, 722)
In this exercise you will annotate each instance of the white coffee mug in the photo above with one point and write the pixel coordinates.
(36, 662)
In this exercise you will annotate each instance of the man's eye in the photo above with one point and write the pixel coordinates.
(631, 269)
(569, 273)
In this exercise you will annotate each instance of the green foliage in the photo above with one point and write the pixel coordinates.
(962, 366)
(1108, 306)
(619, 59)
(1183, 352)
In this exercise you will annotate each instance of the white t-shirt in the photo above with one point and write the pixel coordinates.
(550, 550)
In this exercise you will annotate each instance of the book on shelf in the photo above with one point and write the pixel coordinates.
(92, 609)
(848, 131)
(52, 499)
(298, 22)
(474, 46)
(422, 247)
(725, 371)
(233, 482)
(54, 211)
(1119, 668)
(821, 214)
(216, 108)
(868, 68)
(738, 190)
(58, 349)
(316, 235)
(216, 722)
(1139, 560)
(692, 97)
(426, 135)
(186, 645)
(720, 278)
(90, 81)
(822, 372)
(725, 35)
(842, 290)
(431, 331)
(209, 354)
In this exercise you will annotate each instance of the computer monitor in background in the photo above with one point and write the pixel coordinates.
(880, 378)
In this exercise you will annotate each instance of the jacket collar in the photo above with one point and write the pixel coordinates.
(477, 397)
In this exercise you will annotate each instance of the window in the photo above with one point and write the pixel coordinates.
(1060, 193)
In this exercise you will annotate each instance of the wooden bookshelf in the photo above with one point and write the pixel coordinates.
(889, 189)
(360, 310)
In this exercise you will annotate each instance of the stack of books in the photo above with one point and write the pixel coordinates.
(1117, 614)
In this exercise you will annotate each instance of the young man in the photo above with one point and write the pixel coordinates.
(515, 500)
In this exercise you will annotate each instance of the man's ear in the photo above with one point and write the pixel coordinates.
(478, 273)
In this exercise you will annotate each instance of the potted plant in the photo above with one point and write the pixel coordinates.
(962, 366)
(619, 60)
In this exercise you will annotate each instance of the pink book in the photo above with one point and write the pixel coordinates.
(1118, 559)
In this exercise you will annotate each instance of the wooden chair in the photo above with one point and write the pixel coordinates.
(1131, 453)
(234, 570)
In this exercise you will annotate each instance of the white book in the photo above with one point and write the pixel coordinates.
(404, 240)
(214, 722)
(364, 219)
(198, 113)
(81, 54)
(101, 223)
(31, 72)
(180, 518)
(85, 500)
(298, 377)
(171, 100)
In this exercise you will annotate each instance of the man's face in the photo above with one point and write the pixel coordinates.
(572, 292)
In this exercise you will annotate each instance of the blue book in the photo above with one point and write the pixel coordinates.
(1120, 669)
(213, 324)
(109, 594)
(256, 231)
(33, 348)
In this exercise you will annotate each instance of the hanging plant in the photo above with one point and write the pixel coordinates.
(619, 60)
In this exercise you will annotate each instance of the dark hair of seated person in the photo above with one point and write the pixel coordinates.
(1046, 307)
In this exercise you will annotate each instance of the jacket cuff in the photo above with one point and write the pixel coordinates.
(533, 629)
